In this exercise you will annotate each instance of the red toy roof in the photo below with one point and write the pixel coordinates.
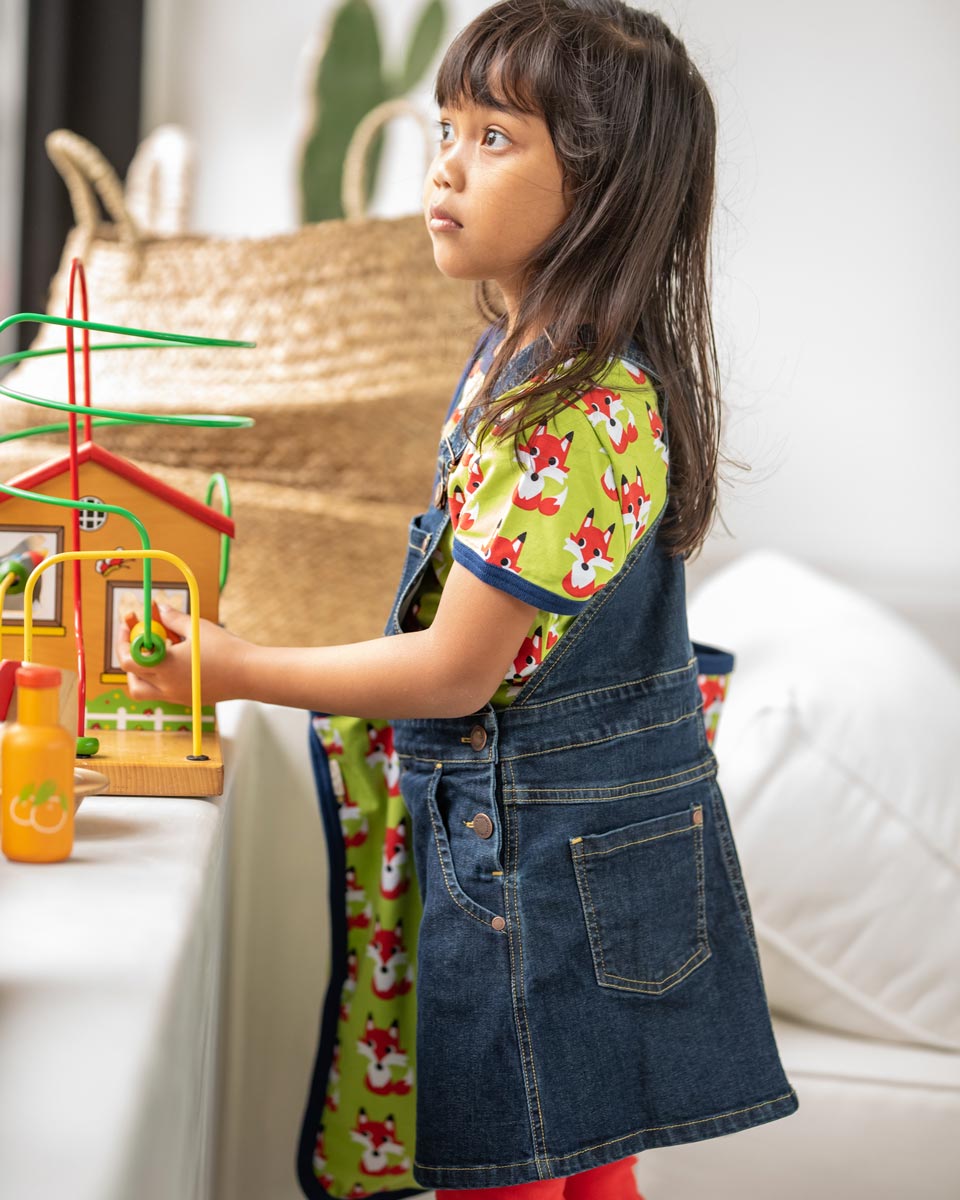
(91, 452)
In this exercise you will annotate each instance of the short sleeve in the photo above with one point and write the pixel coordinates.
(553, 523)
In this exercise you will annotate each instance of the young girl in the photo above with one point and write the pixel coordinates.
(588, 983)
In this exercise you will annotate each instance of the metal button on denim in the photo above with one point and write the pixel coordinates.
(498, 923)
(478, 737)
(481, 825)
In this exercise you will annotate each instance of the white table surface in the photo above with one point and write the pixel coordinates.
(110, 992)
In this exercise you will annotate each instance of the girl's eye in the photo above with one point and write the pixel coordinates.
(495, 133)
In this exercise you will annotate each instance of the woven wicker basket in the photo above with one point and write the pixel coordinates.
(360, 337)
(351, 553)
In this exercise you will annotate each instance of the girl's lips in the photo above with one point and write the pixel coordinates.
(440, 219)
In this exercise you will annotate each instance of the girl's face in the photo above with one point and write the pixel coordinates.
(497, 175)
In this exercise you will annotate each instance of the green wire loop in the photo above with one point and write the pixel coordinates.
(180, 339)
(219, 480)
(156, 340)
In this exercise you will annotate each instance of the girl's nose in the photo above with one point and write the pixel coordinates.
(447, 169)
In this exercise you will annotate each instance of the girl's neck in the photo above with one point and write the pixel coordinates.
(530, 338)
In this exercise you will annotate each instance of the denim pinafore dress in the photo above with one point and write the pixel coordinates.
(588, 982)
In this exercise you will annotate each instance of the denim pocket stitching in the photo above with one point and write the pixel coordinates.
(639, 841)
(612, 737)
(616, 792)
(700, 954)
(456, 893)
(613, 687)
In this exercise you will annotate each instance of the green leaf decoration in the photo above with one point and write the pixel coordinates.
(423, 45)
(349, 84)
(26, 791)
(45, 791)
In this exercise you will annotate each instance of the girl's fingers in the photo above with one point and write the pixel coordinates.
(158, 682)
(131, 667)
(141, 689)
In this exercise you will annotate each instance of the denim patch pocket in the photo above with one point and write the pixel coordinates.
(644, 903)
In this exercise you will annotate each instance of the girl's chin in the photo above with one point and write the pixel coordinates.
(447, 264)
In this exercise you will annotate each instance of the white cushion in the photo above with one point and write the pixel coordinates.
(836, 760)
(877, 1121)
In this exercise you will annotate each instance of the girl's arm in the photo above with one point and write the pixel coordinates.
(448, 670)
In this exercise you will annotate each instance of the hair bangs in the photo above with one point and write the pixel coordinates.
(500, 63)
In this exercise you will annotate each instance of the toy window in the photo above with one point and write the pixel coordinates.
(31, 541)
(124, 598)
(90, 520)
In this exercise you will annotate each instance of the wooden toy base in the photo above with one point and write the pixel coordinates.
(143, 763)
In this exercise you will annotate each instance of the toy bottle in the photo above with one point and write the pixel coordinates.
(38, 761)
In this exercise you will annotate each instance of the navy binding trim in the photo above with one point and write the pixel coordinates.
(711, 660)
(515, 585)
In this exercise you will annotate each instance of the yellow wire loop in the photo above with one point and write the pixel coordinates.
(166, 556)
(8, 582)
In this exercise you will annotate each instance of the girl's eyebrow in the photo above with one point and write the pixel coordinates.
(503, 106)
(497, 106)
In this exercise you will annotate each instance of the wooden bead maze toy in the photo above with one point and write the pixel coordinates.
(144, 748)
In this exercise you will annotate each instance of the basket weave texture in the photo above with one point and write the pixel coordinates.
(359, 336)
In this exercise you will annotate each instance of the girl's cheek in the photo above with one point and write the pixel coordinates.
(428, 186)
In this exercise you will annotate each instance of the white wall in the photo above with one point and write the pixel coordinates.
(836, 244)
(837, 302)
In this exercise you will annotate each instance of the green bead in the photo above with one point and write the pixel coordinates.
(87, 747)
(13, 566)
(148, 657)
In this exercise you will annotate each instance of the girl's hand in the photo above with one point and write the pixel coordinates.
(221, 658)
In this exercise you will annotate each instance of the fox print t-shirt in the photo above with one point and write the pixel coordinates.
(553, 523)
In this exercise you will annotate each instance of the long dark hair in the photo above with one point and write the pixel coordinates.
(634, 130)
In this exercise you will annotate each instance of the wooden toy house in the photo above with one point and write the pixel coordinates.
(111, 587)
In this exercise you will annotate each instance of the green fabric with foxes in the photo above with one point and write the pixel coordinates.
(553, 523)
(365, 1142)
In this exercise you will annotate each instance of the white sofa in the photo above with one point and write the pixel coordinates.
(835, 750)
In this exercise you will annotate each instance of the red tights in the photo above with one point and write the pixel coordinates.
(615, 1181)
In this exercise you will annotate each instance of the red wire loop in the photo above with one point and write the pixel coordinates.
(76, 272)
